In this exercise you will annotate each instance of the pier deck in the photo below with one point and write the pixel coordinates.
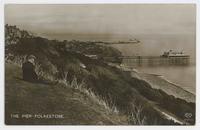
(155, 60)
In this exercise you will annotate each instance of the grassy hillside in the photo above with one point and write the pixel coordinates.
(93, 48)
(26, 98)
(131, 97)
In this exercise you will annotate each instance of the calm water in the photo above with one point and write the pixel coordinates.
(184, 76)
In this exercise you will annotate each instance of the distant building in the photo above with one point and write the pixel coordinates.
(172, 53)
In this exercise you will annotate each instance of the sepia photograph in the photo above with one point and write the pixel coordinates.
(100, 64)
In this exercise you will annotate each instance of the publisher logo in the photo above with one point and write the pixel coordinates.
(188, 115)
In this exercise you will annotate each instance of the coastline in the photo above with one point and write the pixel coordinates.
(175, 84)
(159, 82)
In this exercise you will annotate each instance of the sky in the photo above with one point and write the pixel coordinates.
(159, 27)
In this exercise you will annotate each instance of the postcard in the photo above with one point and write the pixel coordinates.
(100, 64)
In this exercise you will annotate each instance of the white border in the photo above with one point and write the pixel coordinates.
(96, 1)
(3, 126)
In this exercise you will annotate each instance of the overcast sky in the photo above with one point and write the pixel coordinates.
(158, 27)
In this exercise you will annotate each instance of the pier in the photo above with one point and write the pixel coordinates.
(155, 60)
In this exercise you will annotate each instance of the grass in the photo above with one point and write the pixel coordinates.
(106, 88)
(136, 115)
(114, 90)
(76, 106)
(133, 117)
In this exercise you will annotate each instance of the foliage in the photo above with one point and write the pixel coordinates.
(66, 62)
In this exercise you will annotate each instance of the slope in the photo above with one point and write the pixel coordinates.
(46, 99)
